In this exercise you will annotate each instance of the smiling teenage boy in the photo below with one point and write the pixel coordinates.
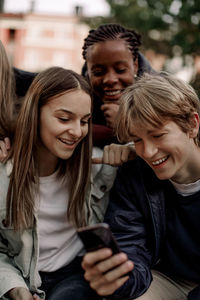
(154, 209)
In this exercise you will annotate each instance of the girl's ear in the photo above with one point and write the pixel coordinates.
(194, 125)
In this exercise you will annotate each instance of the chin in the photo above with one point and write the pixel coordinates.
(66, 155)
(164, 176)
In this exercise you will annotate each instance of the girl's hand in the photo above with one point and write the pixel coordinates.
(116, 154)
(4, 149)
(36, 297)
(20, 293)
(110, 111)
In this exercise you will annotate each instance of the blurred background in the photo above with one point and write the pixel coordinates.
(41, 33)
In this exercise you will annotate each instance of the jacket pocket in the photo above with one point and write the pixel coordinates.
(18, 245)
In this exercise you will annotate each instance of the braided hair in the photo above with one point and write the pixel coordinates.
(112, 32)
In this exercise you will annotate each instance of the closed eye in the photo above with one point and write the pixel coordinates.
(158, 135)
(85, 121)
(97, 72)
(121, 70)
(63, 119)
(136, 141)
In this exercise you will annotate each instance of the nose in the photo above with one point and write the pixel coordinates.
(75, 130)
(149, 150)
(110, 78)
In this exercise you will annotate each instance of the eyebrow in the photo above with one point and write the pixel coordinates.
(71, 113)
(116, 63)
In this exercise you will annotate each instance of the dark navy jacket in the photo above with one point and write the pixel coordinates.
(136, 215)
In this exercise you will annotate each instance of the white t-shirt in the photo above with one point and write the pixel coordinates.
(59, 243)
(188, 188)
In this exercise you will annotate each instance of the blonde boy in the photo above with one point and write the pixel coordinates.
(154, 209)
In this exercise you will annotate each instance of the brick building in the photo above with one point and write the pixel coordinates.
(34, 41)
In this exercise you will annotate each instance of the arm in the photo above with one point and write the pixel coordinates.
(21, 293)
(129, 227)
(12, 283)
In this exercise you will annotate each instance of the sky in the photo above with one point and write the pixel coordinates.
(64, 7)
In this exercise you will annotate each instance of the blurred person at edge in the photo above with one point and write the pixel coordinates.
(154, 205)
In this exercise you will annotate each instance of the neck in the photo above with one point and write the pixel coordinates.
(192, 172)
(48, 163)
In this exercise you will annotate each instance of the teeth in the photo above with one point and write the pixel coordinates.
(157, 162)
(67, 142)
(112, 93)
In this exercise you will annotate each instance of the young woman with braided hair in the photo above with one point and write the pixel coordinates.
(113, 61)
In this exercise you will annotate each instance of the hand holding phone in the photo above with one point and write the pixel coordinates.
(98, 236)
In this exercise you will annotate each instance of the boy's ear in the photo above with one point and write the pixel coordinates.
(194, 125)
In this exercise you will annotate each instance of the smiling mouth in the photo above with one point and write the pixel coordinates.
(113, 92)
(160, 161)
(67, 142)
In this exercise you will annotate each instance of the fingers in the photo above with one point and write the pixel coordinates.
(116, 154)
(110, 288)
(36, 297)
(110, 281)
(110, 111)
(132, 154)
(4, 149)
(113, 265)
(20, 293)
(97, 160)
(7, 143)
(95, 256)
(106, 273)
(112, 155)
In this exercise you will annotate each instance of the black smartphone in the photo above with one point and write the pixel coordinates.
(98, 236)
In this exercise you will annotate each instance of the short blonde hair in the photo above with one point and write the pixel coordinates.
(155, 98)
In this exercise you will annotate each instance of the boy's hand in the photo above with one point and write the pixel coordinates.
(106, 273)
(116, 154)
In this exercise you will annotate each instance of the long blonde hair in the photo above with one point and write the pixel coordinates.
(24, 177)
(7, 94)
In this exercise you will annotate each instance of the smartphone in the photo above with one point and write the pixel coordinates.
(98, 236)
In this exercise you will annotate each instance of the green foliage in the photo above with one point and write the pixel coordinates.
(163, 24)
